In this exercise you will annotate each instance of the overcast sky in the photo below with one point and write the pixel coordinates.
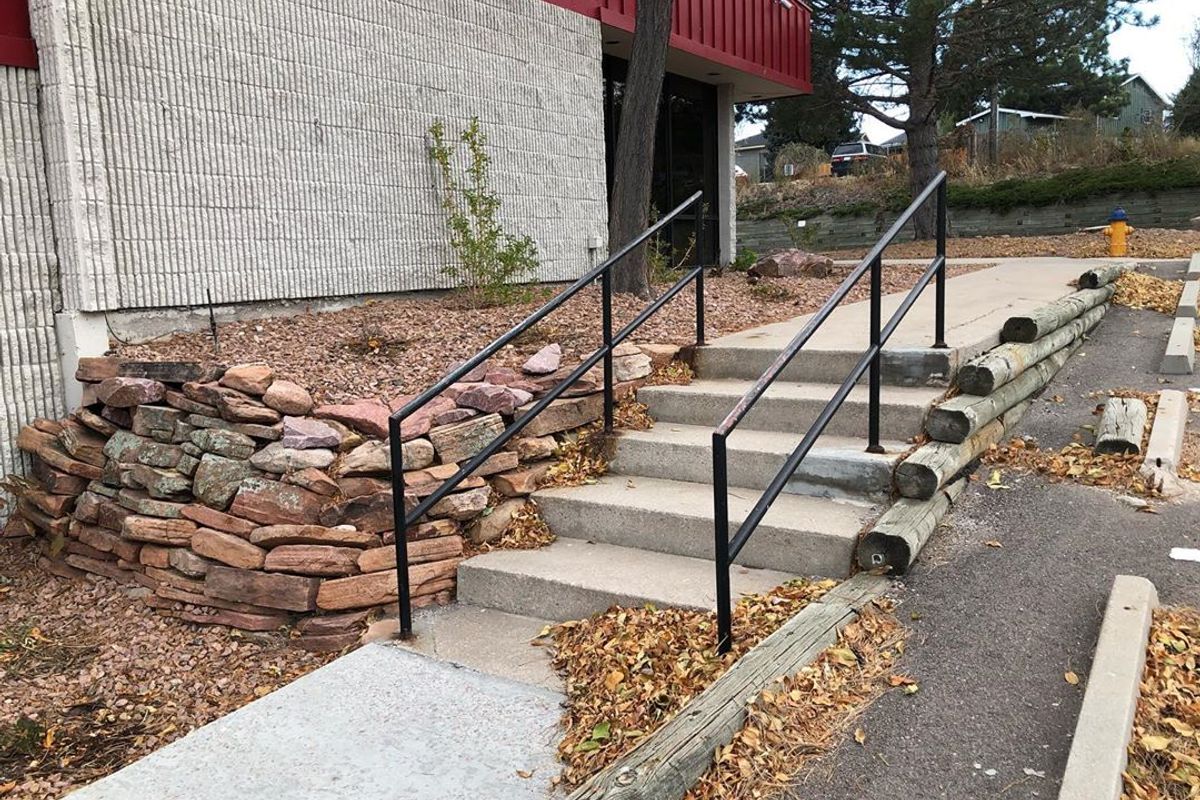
(1159, 54)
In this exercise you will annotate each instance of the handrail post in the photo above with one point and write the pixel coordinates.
(400, 528)
(721, 545)
(873, 445)
(700, 229)
(939, 330)
(606, 305)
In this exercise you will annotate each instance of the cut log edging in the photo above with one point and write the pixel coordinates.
(1122, 426)
(935, 464)
(1048, 318)
(958, 419)
(666, 764)
(1101, 276)
(988, 372)
(896, 540)
(1099, 751)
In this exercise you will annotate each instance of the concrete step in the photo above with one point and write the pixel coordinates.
(573, 579)
(837, 466)
(901, 367)
(801, 535)
(791, 407)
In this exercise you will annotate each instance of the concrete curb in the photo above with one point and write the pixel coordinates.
(1181, 348)
(1189, 300)
(1193, 271)
(1099, 752)
(1165, 447)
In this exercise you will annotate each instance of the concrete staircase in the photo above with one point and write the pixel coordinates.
(644, 532)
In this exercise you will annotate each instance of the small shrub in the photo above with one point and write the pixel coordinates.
(805, 159)
(771, 292)
(744, 260)
(490, 260)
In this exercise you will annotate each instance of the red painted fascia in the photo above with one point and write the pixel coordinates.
(16, 41)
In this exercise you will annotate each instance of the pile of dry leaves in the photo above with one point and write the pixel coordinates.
(1138, 290)
(801, 716)
(629, 670)
(1077, 462)
(1164, 751)
(526, 531)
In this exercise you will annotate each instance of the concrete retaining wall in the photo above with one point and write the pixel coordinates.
(271, 149)
(30, 383)
(1163, 210)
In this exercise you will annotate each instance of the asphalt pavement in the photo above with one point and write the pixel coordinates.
(995, 629)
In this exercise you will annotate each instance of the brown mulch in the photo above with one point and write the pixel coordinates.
(1164, 750)
(384, 347)
(91, 681)
(1145, 243)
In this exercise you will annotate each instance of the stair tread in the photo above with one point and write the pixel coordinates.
(916, 396)
(794, 512)
(638, 576)
(763, 441)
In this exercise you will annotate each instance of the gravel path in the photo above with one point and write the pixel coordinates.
(996, 629)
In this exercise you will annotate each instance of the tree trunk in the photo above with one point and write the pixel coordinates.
(923, 166)
(629, 207)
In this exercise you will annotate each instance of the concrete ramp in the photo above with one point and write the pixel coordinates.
(380, 722)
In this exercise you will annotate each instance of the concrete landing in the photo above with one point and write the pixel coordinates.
(380, 723)
(977, 305)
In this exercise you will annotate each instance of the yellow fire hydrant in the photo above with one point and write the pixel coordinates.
(1118, 231)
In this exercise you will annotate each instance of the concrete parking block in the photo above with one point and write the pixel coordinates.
(1189, 300)
(1166, 436)
(1193, 271)
(1099, 751)
(1181, 348)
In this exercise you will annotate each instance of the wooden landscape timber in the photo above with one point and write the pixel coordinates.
(897, 538)
(993, 369)
(958, 419)
(934, 464)
(1121, 426)
(666, 764)
(1051, 317)
(1101, 276)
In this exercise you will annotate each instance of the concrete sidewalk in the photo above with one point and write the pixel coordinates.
(977, 304)
(380, 723)
(995, 629)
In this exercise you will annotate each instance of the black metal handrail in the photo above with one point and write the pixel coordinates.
(403, 519)
(727, 549)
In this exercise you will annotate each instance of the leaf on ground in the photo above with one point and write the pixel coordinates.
(1071, 678)
(860, 735)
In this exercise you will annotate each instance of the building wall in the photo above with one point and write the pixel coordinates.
(1173, 209)
(1132, 118)
(269, 149)
(30, 382)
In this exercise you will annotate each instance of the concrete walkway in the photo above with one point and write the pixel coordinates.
(380, 723)
(977, 304)
(995, 629)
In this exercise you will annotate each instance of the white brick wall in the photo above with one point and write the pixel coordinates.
(30, 384)
(276, 148)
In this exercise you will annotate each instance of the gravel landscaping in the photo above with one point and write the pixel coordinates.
(90, 682)
(403, 345)
(1145, 243)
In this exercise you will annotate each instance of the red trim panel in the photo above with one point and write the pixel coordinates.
(757, 37)
(16, 41)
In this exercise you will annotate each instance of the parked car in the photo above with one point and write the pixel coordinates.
(853, 156)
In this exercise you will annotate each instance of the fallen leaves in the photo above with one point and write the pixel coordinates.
(1164, 752)
(1139, 290)
(677, 373)
(1071, 678)
(1145, 243)
(629, 670)
(581, 458)
(1075, 462)
(527, 530)
(800, 717)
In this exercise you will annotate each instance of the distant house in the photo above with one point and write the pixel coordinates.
(896, 144)
(751, 156)
(1145, 110)
(1010, 120)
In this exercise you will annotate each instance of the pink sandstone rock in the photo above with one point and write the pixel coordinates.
(544, 361)
(303, 433)
(252, 379)
(288, 398)
(366, 416)
(492, 399)
(129, 392)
